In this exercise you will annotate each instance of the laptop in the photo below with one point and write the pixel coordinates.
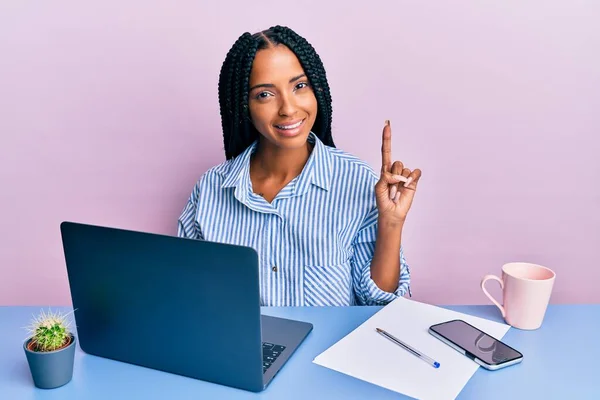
(184, 306)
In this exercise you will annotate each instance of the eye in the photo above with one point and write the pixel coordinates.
(263, 95)
(301, 85)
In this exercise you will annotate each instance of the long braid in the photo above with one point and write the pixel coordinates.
(230, 94)
(234, 79)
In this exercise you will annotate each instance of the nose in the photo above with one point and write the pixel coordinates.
(287, 107)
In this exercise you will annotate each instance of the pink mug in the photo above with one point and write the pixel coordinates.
(526, 290)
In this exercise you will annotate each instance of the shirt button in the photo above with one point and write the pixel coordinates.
(274, 268)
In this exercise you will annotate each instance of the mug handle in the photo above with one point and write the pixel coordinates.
(483, 281)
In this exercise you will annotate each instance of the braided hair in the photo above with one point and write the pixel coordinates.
(234, 82)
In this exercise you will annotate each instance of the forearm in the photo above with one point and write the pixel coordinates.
(385, 266)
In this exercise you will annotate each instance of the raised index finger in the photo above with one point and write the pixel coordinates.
(386, 147)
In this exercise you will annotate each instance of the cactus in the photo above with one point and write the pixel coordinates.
(49, 331)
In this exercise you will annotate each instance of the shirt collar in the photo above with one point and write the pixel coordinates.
(317, 170)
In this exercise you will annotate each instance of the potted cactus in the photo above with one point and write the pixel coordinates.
(50, 350)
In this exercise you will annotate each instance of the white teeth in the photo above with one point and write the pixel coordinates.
(289, 126)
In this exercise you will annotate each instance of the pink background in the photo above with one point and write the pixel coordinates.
(109, 114)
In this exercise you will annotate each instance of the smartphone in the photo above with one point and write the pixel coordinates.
(485, 350)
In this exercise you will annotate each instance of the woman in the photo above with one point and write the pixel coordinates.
(327, 229)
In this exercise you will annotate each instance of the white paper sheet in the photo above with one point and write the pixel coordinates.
(367, 355)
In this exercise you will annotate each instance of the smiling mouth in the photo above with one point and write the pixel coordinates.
(289, 127)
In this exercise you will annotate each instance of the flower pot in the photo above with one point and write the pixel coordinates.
(51, 369)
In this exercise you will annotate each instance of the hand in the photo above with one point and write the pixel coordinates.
(396, 187)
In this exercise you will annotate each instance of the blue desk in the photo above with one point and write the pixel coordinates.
(561, 362)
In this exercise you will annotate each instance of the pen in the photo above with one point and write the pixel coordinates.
(416, 352)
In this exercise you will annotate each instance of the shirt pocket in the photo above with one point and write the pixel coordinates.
(329, 285)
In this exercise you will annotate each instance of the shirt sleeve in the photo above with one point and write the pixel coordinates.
(187, 224)
(366, 290)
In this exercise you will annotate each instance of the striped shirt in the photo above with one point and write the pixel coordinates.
(315, 240)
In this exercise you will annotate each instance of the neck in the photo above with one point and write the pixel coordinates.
(282, 165)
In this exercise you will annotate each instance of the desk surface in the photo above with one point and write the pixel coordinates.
(560, 363)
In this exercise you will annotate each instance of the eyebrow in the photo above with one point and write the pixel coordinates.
(270, 85)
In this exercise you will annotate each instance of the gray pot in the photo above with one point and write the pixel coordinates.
(51, 369)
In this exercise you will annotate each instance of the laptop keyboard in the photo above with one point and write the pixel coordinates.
(270, 353)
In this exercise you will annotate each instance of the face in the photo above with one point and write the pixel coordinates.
(282, 104)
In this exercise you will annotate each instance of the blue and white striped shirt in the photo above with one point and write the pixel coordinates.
(316, 239)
